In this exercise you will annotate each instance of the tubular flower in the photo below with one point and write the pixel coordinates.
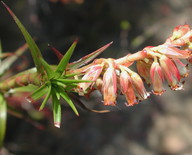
(138, 86)
(143, 67)
(170, 71)
(127, 88)
(157, 78)
(110, 86)
(92, 73)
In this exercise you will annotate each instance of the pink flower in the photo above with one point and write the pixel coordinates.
(110, 86)
(127, 88)
(170, 71)
(92, 73)
(157, 78)
(143, 68)
(138, 86)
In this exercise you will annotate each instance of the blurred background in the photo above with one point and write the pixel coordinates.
(160, 125)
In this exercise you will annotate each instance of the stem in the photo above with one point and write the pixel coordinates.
(22, 79)
(130, 58)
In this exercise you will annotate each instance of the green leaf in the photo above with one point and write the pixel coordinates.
(35, 52)
(68, 81)
(56, 110)
(6, 63)
(86, 59)
(37, 94)
(65, 60)
(68, 100)
(57, 95)
(28, 88)
(46, 98)
(56, 82)
(48, 69)
(3, 118)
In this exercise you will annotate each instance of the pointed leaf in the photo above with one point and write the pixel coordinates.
(6, 63)
(3, 118)
(58, 83)
(68, 100)
(48, 69)
(73, 81)
(86, 59)
(35, 52)
(46, 98)
(28, 88)
(57, 53)
(56, 110)
(65, 60)
(37, 94)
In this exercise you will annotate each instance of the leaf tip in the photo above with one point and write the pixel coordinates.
(76, 40)
(40, 108)
(5, 5)
(57, 124)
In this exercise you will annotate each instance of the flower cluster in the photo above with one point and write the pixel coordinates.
(154, 65)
